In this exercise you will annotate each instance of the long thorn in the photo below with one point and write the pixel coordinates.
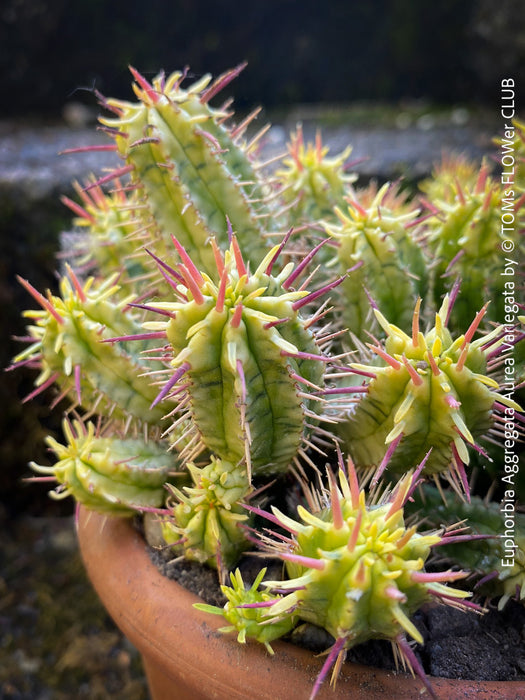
(44, 303)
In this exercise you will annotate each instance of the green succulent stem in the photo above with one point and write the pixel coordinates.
(116, 476)
(192, 173)
(429, 396)
(204, 519)
(355, 570)
(499, 559)
(239, 346)
(376, 242)
(73, 346)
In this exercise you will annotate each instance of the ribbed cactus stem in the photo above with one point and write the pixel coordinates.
(190, 170)
(239, 346)
(246, 610)
(355, 570)
(466, 235)
(113, 233)
(432, 393)
(203, 520)
(110, 475)
(313, 182)
(376, 240)
(71, 349)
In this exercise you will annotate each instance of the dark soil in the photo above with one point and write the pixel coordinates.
(457, 644)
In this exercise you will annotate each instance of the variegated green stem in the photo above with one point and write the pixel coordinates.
(112, 239)
(107, 474)
(69, 347)
(355, 570)
(499, 560)
(192, 173)
(248, 369)
(388, 266)
(246, 610)
(350, 547)
(466, 235)
(204, 518)
(312, 182)
(428, 396)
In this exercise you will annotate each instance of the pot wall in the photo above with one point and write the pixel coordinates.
(186, 658)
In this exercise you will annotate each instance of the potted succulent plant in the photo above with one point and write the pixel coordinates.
(266, 358)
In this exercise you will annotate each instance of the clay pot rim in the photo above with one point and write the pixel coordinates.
(156, 615)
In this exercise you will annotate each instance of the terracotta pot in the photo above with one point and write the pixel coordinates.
(185, 658)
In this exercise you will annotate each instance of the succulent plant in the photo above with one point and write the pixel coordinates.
(238, 347)
(109, 244)
(247, 612)
(466, 237)
(312, 182)
(116, 476)
(376, 242)
(192, 174)
(442, 183)
(203, 520)
(202, 376)
(67, 346)
(496, 559)
(353, 569)
(429, 395)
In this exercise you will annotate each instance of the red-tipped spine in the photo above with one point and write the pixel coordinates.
(145, 85)
(221, 82)
(44, 303)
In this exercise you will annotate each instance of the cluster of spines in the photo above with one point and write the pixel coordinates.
(203, 520)
(110, 475)
(311, 182)
(67, 345)
(238, 346)
(446, 174)
(430, 392)
(246, 610)
(191, 172)
(111, 241)
(465, 237)
(355, 570)
(377, 241)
